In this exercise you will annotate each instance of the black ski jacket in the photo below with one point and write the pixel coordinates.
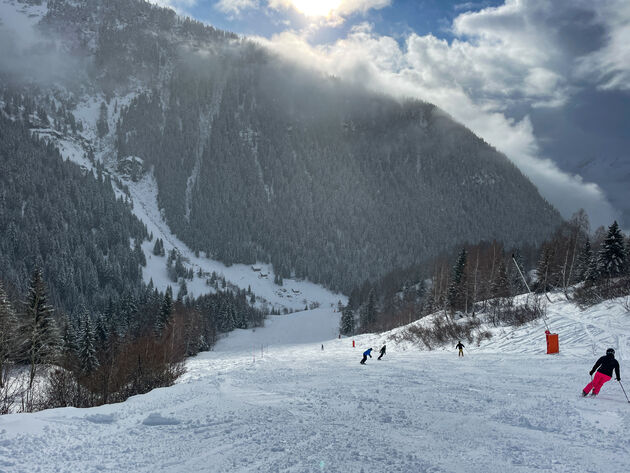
(460, 346)
(606, 366)
(383, 350)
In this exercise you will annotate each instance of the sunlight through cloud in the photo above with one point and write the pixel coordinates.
(316, 7)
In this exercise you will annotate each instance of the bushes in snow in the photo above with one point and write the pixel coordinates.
(49, 359)
(483, 278)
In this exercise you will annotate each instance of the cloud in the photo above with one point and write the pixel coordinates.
(609, 67)
(234, 7)
(339, 7)
(334, 11)
(498, 60)
(26, 54)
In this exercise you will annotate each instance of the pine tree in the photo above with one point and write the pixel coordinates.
(457, 289)
(8, 324)
(88, 360)
(158, 248)
(139, 254)
(587, 264)
(69, 345)
(183, 291)
(128, 315)
(347, 321)
(501, 283)
(38, 333)
(368, 314)
(612, 255)
(101, 333)
(166, 311)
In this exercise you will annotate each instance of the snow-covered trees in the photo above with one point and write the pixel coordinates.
(69, 222)
(8, 342)
(136, 344)
(39, 340)
(456, 298)
(612, 255)
(484, 276)
(165, 313)
(88, 360)
(158, 248)
(368, 313)
(587, 264)
(347, 321)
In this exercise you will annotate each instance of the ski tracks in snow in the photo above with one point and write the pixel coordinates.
(504, 407)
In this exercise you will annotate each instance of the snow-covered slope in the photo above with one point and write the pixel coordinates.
(504, 407)
(580, 333)
(293, 295)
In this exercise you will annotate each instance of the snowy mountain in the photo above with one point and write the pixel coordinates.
(273, 400)
(253, 160)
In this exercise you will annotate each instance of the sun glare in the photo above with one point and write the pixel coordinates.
(316, 7)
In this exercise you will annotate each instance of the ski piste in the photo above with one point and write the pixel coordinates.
(507, 406)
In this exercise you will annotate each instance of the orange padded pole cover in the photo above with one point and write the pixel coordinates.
(552, 343)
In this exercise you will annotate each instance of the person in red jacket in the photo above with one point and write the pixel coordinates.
(603, 369)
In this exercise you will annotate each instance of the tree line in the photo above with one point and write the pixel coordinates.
(586, 267)
(51, 359)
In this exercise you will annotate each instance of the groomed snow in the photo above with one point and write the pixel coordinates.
(505, 407)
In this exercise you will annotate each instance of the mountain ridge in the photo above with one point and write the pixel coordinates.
(257, 159)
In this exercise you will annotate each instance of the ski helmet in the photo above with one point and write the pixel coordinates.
(610, 351)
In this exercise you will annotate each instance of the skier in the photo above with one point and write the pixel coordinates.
(366, 353)
(382, 353)
(606, 365)
(460, 347)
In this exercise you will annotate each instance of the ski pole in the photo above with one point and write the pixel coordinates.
(624, 391)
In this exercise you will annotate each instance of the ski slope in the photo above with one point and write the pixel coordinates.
(273, 401)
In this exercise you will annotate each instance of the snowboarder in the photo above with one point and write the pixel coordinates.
(604, 366)
(322, 347)
(366, 353)
(460, 347)
(382, 353)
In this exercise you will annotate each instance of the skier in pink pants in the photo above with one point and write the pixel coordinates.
(604, 366)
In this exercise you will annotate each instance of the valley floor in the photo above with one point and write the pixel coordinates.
(505, 407)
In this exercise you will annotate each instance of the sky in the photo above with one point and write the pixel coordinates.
(547, 83)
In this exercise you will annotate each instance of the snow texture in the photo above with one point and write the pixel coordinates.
(273, 401)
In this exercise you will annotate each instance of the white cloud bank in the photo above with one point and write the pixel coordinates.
(517, 54)
(335, 10)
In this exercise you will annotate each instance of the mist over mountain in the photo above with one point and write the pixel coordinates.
(257, 159)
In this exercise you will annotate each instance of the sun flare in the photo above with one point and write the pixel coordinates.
(316, 7)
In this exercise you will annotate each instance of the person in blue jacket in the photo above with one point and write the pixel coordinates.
(366, 353)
